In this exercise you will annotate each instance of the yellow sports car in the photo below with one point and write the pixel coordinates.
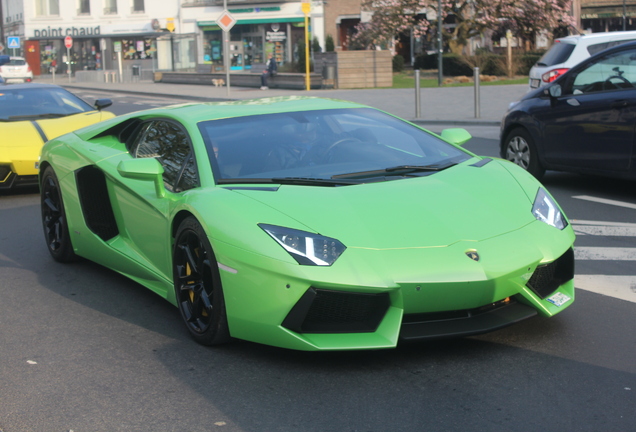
(32, 114)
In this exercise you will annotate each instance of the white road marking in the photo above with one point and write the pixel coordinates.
(606, 201)
(600, 228)
(605, 253)
(620, 287)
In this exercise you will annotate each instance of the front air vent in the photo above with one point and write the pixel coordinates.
(548, 277)
(326, 311)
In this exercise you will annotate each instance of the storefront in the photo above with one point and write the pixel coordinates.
(94, 48)
(252, 42)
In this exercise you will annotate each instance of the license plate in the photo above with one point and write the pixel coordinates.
(534, 83)
(558, 299)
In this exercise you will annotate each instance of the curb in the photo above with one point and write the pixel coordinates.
(467, 122)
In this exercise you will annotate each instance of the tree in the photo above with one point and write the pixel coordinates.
(527, 18)
(470, 18)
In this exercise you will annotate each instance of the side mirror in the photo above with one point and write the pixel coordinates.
(148, 169)
(457, 136)
(102, 103)
(555, 90)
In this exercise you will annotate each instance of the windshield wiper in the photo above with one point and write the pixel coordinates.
(302, 181)
(36, 116)
(308, 181)
(395, 171)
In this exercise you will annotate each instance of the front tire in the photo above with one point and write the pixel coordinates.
(197, 284)
(54, 221)
(521, 150)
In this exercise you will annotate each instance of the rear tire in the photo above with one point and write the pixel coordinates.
(521, 150)
(54, 221)
(197, 285)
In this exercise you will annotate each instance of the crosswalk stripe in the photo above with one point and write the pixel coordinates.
(605, 253)
(605, 201)
(621, 287)
(609, 231)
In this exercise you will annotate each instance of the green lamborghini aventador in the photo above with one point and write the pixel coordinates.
(308, 223)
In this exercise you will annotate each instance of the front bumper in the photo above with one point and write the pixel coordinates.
(9, 177)
(372, 299)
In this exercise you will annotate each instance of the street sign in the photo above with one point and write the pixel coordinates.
(226, 21)
(68, 42)
(13, 42)
(306, 7)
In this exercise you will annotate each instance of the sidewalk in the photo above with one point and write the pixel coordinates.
(445, 105)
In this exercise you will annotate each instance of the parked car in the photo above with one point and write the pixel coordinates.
(583, 122)
(308, 223)
(568, 51)
(31, 114)
(16, 70)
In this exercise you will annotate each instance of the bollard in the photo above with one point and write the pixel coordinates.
(417, 94)
(476, 79)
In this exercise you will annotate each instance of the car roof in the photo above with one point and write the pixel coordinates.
(596, 37)
(197, 112)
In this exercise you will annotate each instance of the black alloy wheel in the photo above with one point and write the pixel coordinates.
(521, 150)
(54, 221)
(198, 285)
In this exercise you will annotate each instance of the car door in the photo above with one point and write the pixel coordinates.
(592, 124)
(146, 215)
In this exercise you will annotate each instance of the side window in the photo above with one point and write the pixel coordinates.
(168, 143)
(615, 72)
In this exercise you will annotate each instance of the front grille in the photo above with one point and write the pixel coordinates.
(456, 314)
(547, 278)
(325, 311)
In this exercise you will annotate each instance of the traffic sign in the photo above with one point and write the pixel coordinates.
(13, 42)
(68, 42)
(226, 21)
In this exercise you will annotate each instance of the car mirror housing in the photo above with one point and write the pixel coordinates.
(555, 90)
(148, 169)
(457, 136)
(102, 103)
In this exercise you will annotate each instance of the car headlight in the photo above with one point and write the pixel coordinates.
(305, 247)
(546, 210)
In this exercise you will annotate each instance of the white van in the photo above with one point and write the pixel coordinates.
(571, 50)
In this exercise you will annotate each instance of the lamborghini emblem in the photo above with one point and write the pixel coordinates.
(473, 255)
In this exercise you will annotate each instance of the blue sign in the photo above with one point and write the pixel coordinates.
(13, 42)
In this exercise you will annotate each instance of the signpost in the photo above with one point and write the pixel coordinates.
(68, 43)
(306, 8)
(117, 49)
(226, 22)
(13, 42)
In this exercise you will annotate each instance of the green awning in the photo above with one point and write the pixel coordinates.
(253, 21)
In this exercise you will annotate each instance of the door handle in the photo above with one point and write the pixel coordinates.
(620, 104)
(573, 102)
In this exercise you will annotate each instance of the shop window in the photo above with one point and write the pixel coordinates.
(84, 7)
(138, 6)
(135, 49)
(110, 7)
(47, 7)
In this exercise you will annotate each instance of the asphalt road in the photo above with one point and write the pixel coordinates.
(85, 349)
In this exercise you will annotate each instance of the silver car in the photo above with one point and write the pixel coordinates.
(16, 70)
(569, 51)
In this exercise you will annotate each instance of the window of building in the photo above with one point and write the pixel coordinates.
(47, 7)
(110, 7)
(138, 6)
(84, 7)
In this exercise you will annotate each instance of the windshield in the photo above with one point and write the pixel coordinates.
(342, 146)
(557, 54)
(17, 104)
